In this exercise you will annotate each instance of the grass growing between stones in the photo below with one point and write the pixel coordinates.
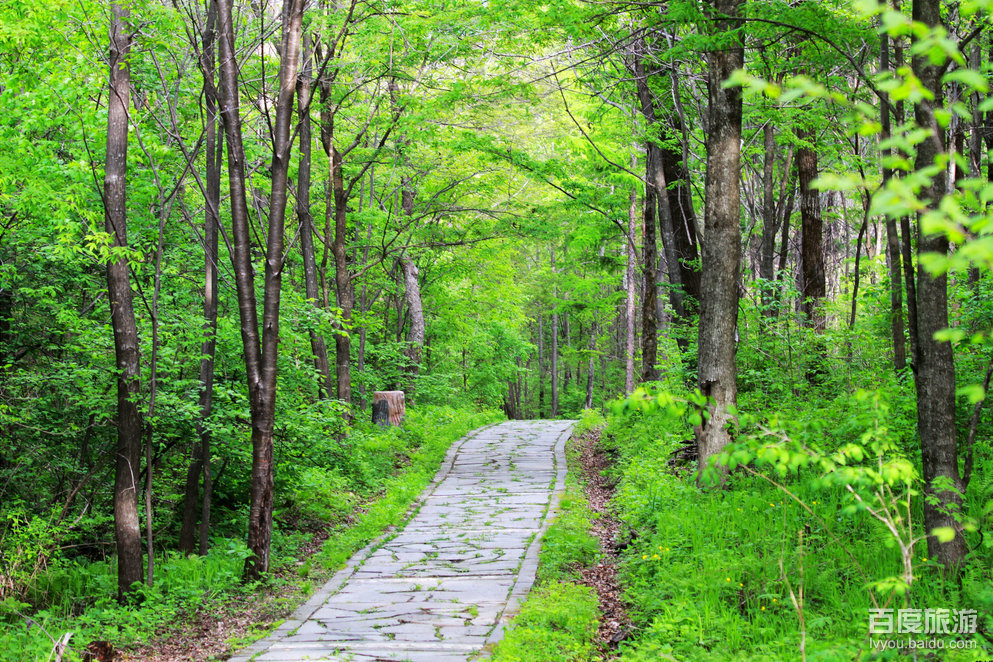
(559, 619)
(435, 435)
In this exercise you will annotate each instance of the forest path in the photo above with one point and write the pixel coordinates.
(443, 586)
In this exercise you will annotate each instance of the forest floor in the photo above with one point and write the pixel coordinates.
(599, 488)
(217, 630)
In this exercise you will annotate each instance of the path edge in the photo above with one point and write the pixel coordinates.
(302, 613)
(528, 572)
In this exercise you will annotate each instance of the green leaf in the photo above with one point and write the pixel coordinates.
(944, 534)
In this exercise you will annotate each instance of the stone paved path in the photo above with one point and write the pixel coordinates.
(443, 586)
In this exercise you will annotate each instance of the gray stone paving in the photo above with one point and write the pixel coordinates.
(442, 587)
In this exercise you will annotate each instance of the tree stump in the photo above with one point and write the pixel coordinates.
(388, 408)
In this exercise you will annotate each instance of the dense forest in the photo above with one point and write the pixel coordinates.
(754, 235)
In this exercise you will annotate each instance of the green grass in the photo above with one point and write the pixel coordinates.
(712, 574)
(557, 623)
(559, 619)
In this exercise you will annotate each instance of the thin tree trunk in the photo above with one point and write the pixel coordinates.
(629, 303)
(769, 223)
(304, 87)
(811, 242)
(555, 346)
(589, 367)
(200, 464)
(127, 531)
(892, 237)
(260, 351)
(722, 240)
(683, 216)
(906, 233)
(656, 181)
(935, 377)
(541, 366)
(784, 243)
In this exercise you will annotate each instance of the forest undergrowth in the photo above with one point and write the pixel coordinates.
(199, 608)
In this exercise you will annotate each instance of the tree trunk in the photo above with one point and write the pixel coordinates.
(260, 352)
(415, 336)
(304, 87)
(811, 243)
(630, 277)
(541, 367)
(388, 408)
(683, 216)
(892, 236)
(906, 238)
(649, 321)
(342, 278)
(589, 367)
(127, 531)
(261, 486)
(200, 465)
(935, 377)
(769, 223)
(555, 347)
(412, 298)
(722, 240)
(655, 179)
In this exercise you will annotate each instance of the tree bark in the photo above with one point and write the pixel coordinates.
(631, 295)
(813, 289)
(555, 346)
(935, 377)
(388, 408)
(892, 236)
(769, 223)
(541, 367)
(722, 238)
(260, 351)
(683, 216)
(127, 531)
(589, 367)
(312, 286)
(655, 179)
(200, 464)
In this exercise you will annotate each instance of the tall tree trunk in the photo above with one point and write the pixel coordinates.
(261, 486)
(811, 242)
(649, 320)
(935, 377)
(342, 277)
(415, 335)
(892, 236)
(555, 346)
(722, 239)
(312, 286)
(680, 197)
(589, 367)
(631, 295)
(906, 233)
(541, 367)
(769, 223)
(200, 464)
(260, 352)
(655, 179)
(127, 531)
(412, 298)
